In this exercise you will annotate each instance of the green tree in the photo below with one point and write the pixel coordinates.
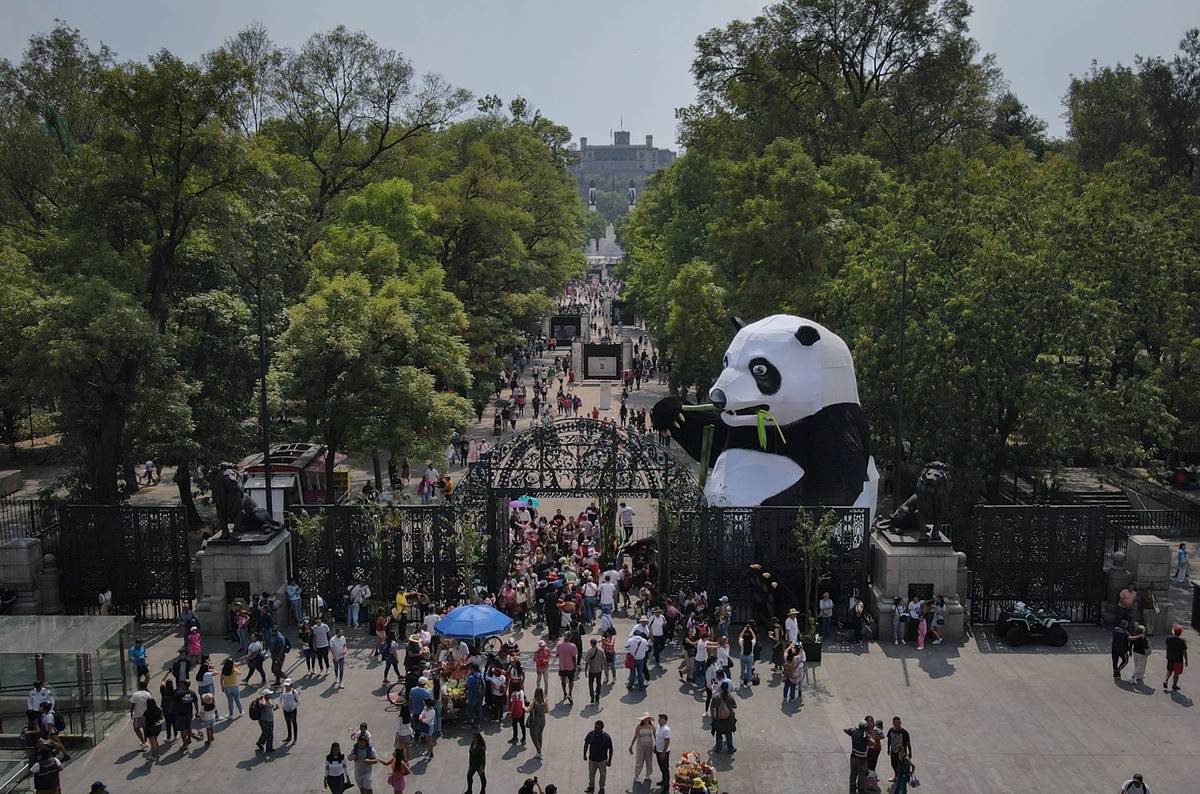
(697, 332)
(363, 368)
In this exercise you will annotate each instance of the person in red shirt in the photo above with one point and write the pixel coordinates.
(541, 663)
(568, 656)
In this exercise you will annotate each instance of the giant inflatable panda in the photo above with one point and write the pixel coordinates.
(817, 447)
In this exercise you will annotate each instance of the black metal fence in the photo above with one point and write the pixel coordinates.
(26, 518)
(725, 551)
(1152, 490)
(394, 547)
(1046, 555)
(140, 553)
(1164, 523)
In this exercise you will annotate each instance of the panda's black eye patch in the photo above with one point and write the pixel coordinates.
(765, 375)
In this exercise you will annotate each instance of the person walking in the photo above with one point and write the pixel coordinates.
(1120, 648)
(398, 774)
(476, 761)
(899, 745)
(746, 642)
(568, 657)
(186, 706)
(594, 665)
(662, 752)
(256, 654)
(636, 648)
(231, 686)
(1139, 649)
(364, 758)
(152, 726)
(658, 634)
(390, 651)
(137, 713)
(337, 772)
(517, 707)
(289, 704)
(1181, 564)
(262, 711)
(858, 757)
(724, 719)
(598, 752)
(793, 675)
(337, 648)
(279, 647)
(320, 643)
(1177, 657)
(641, 747)
(1135, 785)
(874, 742)
(536, 719)
(625, 516)
(541, 665)
(45, 772)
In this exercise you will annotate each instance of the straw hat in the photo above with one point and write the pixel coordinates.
(792, 612)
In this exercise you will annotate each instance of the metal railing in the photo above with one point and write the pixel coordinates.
(1164, 523)
(1164, 496)
(26, 518)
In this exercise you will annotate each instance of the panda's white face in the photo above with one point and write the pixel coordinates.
(787, 365)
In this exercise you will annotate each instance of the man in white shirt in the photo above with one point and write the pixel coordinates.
(638, 646)
(915, 607)
(625, 518)
(662, 750)
(658, 627)
(791, 627)
(137, 712)
(430, 621)
(337, 648)
(36, 697)
(320, 642)
(608, 590)
(591, 598)
(359, 593)
(700, 658)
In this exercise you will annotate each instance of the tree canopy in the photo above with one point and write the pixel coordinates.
(1052, 286)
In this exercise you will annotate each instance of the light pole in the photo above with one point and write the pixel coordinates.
(263, 415)
(898, 454)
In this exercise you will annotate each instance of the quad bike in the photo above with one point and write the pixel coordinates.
(1018, 624)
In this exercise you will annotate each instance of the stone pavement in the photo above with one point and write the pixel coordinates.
(983, 718)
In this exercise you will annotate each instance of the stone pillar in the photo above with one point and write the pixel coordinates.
(243, 566)
(20, 566)
(48, 586)
(1147, 561)
(904, 565)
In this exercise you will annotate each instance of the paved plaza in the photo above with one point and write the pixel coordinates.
(983, 718)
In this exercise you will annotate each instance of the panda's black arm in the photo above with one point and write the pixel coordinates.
(687, 428)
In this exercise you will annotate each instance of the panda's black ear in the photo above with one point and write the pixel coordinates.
(738, 322)
(807, 335)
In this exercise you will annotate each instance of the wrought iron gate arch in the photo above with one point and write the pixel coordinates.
(569, 457)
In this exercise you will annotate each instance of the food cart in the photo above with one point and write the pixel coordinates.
(690, 770)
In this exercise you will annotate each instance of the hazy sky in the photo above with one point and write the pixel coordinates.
(590, 64)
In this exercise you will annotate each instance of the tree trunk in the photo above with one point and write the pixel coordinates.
(375, 464)
(103, 453)
(183, 481)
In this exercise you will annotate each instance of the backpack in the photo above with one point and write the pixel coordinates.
(60, 724)
(722, 709)
(255, 711)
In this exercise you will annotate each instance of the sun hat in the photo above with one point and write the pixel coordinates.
(287, 682)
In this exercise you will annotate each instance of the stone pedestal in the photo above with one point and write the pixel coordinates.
(240, 568)
(48, 587)
(1148, 562)
(20, 567)
(904, 566)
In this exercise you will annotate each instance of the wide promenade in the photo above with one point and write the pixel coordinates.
(983, 719)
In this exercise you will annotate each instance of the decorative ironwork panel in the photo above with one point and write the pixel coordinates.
(1044, 555)
(714, 548)
(140, 553)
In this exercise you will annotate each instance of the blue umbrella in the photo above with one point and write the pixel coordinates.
(532, 501)
(472, 622)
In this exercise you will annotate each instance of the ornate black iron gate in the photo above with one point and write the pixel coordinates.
(1044, 555)
(139, 553)
(714, 549)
